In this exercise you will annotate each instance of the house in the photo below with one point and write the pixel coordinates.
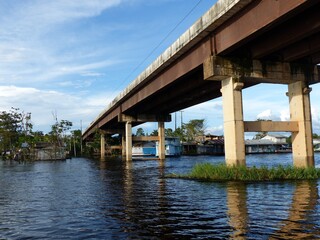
(211, 147)
(276, 138)
(49, 151)
(172, 146)
(266, 146)
(140, 149)
(207, 137)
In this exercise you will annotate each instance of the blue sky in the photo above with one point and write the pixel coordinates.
(73, 57)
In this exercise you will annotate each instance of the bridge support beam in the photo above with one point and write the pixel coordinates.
(302, 147)
(161, 147)
(128, 134)
(102, 146)
(233, 122)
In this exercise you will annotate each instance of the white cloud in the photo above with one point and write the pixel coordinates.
(218, 130)
(42, 104)
(285, 115)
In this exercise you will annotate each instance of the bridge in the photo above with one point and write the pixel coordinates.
(235, 45)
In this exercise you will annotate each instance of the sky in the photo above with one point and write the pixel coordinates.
(71, 58)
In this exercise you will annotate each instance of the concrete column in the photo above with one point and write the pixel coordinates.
(128, 141)
(161, 147)
(233, 122)
(123, 145)
(102, 146)
(300, 111)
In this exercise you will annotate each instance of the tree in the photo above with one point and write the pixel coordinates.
(140, 132)
(154, 133)
(180, 133)
(58, 131)
(168, 132)
(15, 128)
(194, 128)
(75, 142)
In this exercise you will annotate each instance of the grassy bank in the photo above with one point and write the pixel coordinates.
(221, 172)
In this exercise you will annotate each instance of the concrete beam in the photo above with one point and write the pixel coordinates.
(217, 68)
(112, 131)
(144, 118)
(145, 138)
(271, 126)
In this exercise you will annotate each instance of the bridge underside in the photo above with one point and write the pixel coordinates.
(258, 42)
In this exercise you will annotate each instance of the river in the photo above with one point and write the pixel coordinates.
(82, 198)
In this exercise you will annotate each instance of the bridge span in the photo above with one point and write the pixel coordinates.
(236, 44)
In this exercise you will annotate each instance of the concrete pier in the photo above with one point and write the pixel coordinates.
(233, 122)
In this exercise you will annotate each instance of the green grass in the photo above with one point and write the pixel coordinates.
(221, 172)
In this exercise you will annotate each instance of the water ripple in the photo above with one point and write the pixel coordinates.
(86, 199)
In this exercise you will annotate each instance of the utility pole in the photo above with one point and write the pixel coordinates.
(175, 121)
(181, 119)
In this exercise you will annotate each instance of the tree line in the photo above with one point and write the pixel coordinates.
(16, 132)
(187, 132)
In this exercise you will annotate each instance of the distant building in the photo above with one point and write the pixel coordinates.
(261, 146)
(211, 147)
(172, 147)
(48, 151)
(140, 149)
(268, 144)
(207, 137)
(276, 138)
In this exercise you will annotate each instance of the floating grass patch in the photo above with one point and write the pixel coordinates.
(222, 172)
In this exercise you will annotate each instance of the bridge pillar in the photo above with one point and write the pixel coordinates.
(128, 141)
(102, 146)
(161, 147)
(233, 122)
(302, 147)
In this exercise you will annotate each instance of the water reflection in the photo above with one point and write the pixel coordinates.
(114, 199)
(300, 221)
(299, 224)
(237, 209)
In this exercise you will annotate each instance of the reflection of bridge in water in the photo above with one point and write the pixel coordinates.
(235, 210)
(235, 45)
(299, 223)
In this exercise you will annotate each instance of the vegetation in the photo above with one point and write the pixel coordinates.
(187, 133)
(221, 172)
(15, 127)
(17, 135)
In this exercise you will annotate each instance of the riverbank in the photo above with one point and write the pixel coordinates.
(222, 172)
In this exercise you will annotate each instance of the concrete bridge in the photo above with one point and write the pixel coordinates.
(235, 45)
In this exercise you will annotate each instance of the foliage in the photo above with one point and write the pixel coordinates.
(75, 142)
(140, 132)
(154, 133)
(168, 132)
(180, 133)
(194, 128)
(188, 131)
(17, 137)
(58, 131)
(222, 172)
(15, 128)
